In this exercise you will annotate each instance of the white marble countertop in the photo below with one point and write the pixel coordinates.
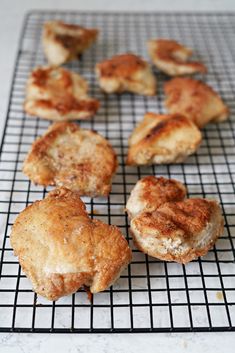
(11, 17)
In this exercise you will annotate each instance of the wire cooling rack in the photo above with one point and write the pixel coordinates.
(151, 295)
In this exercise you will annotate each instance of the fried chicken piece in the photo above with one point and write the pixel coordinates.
(61, 249)
(126, 73)
(160, 139)
(63, 42)
(79, 159)
(169, 227)
(196, 100)
(178, 231)
(151, 192)
(58, 94)
(172, 58)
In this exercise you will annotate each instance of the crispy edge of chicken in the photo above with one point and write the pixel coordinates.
(162, 139)
(63, 42)
(178, 231)
(126, 73)
(61, 249)
(196, 100)
(172, 58)
(69, 156)
(151, 192)
(58, 94)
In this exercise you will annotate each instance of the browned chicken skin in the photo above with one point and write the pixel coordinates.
(61, 249)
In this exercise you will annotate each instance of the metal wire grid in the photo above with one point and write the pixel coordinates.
(150, 296)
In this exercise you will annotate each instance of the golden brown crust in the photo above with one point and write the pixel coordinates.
(65, 107)
(178, 231)
(61, 249)
(151, 192)
(63, 42)
(67, 155)
(196, 100)
(111, 255)
(58, 94)
(166, 226)
(171, 57)
(162, 139)
(192, 214)
(126, 72)
(123, 65)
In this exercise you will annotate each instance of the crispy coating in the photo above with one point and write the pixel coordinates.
(79, 159)
(151, 192)
(167, 226)
(126, 73)
(64, 42)
(196, 100)
(61, 249)
(159, 139)
(58, 94)
(171, 57)
(179, 231)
